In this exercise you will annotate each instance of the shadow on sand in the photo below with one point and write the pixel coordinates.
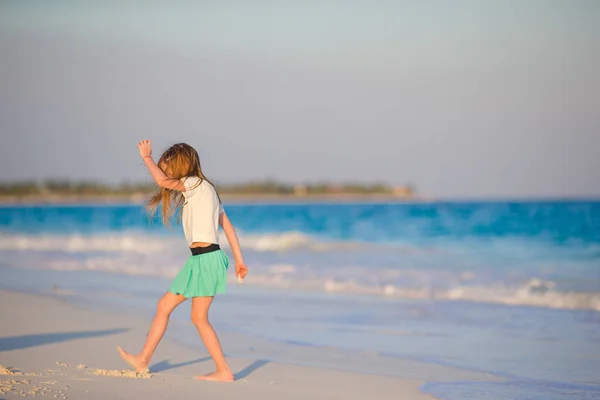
(250, 369)
(26, 341)
(166, 365)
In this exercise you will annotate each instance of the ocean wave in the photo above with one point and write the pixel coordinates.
(290, 241)
(133, 242)
(534, 293)
(74, 243)
(422, 277)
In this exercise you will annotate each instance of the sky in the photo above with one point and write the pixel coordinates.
(461, 98)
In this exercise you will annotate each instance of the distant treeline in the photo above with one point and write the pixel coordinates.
(268, 187)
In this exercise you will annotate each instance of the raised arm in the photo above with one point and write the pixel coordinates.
(159, 176)
(241, 270)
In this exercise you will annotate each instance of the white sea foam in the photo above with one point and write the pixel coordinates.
(135, 253)
(289, 241)
(143, 243)
(75, 243)
(527, 294)
(534, 293)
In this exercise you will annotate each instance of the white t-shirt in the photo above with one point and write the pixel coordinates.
(201, 210)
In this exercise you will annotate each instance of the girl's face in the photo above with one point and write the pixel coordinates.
(176, 167)
(175, 164)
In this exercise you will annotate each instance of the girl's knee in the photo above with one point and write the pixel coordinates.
(199, 320)
(163, 307)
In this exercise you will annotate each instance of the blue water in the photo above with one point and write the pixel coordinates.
(507, 288)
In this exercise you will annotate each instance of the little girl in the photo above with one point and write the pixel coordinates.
(182, 183)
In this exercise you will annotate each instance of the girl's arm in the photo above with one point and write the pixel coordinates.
(241, 270)
(161, 179)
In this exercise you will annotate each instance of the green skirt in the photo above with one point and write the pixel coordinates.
(203, 275)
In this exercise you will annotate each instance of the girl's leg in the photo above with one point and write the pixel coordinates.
(166, 305)
(200, 306)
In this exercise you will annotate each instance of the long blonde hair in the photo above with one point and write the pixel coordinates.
(178, 161)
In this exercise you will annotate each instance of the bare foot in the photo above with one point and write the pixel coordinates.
(216, 376)
(136, 362)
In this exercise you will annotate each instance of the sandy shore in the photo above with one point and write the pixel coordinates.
(52, 349)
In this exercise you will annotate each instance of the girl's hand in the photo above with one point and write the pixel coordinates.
(241, 271)
(145, 148)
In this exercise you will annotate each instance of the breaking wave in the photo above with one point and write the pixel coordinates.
(144, 243)
(139, 253)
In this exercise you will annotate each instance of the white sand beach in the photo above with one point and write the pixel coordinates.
(52, 349)
(57, 350)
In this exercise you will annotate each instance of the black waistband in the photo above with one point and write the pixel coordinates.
(203, 250)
